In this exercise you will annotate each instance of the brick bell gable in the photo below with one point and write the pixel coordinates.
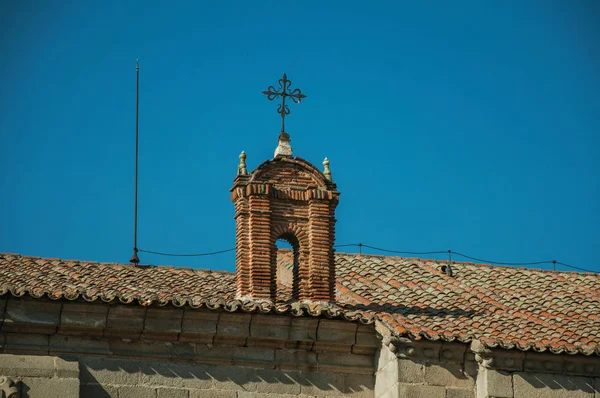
(285, 198)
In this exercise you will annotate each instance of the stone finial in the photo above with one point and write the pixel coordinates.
(242, 166)
(284, 149)
(326, 169)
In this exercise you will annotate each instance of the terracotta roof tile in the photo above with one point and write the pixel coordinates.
(502, 306)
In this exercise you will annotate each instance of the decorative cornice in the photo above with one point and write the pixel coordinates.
(8, 387)
(519, 361)
(268, 190)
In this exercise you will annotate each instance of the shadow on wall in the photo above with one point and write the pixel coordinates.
(106, 374)
(530, 384)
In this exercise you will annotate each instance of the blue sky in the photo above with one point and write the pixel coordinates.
(471, 126)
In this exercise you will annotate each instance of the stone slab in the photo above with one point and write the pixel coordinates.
(447, 375)
(359, 386)
(83, 319)
(345, 363)
(366, 340)
(234, 378)
(269, 331)
(152, 349)
(495, 383)
(98, 391)
(296, 359)
(30, 344)
(77, 345)
(40, 387)
(172, 393)
(322, 384)
(27, 315)
(199, 326)
(26, 365)
(547, 385)
(125, 322)
(66, 368)
(137, 392)
(269, 381)
(214, 354)
(421, 391)
(233, 328)
(176, 375)
(303, 333)
(254, 356)
(163, 323)
(338, 332)
(410, 372)
(459, 393)
(212, 394)
(109, 371)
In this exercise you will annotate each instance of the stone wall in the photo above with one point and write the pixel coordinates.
(93, 377)
(424, 369)
(40, 376)
(517, 374)
(503, 384)
(63, 349)
(413, 369)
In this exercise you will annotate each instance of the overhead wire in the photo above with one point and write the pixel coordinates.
(361, 245)
(187, 255)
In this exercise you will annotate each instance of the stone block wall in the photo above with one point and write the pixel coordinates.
(105, 377)
(118, 351)
(515, 374)
(40, 376)
(423, 369)
(66, 349)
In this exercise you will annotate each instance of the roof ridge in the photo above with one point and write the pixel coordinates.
(109, 263)
(356, 255)
(439, 261)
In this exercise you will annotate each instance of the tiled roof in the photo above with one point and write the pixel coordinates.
(501, 306)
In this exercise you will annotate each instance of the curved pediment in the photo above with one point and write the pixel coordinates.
(291, 173)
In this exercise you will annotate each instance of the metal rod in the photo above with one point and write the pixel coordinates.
(135, 259)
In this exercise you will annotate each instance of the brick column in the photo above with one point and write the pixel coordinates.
(242, 247)
(261, 273)
(320, 264)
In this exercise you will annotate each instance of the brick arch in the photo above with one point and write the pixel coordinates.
(298, 239)
(289, 199)
(279, 168)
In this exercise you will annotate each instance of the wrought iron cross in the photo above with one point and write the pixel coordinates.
(284, 92)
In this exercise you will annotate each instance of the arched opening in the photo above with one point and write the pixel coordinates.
(285, 260)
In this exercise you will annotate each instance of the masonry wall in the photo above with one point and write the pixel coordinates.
(413, 369)
(65, 349)
(432, 370)
(503, 384)
(49, 376)
(62, 349)
(514, 374)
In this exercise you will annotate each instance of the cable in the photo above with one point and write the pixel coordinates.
(187, 255)
(500, 263)
(574, 267)
(399, 252)
(361, 245)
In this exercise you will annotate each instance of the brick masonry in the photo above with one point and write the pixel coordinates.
(285, 198)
